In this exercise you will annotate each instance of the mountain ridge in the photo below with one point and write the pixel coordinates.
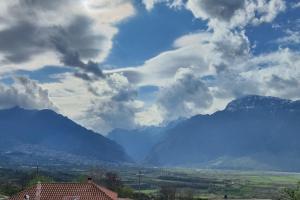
(54, 138)
(252, 132)
(263, 130)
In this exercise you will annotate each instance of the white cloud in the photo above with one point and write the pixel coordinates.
(276, 74)
(206, 52)
(86, 27)
(223, 52)
(228, 13)
(234, 13)
(203, 71)
(117, 107)
(149, 4)
(291, 38)
(24, 93)
(70, 94)
(186, 96)
(100, 105)
(296, 5)
(150, 116)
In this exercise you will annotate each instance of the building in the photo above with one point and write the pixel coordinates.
(66, 191)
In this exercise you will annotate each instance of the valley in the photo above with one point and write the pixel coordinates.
(201, 183)
(248, 150)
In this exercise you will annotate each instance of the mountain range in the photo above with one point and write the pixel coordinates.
(251, 133)
(139, 142)
(31, 136)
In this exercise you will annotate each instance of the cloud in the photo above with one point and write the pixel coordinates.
(296, 5)
(199, 74)
(228, 13)
(205, 52)
(279, 83)
(291, 38)
(191, 50)
(222, 47)
(275, 74)
(220, 60)
(186, 96)
(24, 93)
(64, 40)
(234, 13)
(101, 104)
(149, 4)
(83, 29)
(222, 10)
(115, 106)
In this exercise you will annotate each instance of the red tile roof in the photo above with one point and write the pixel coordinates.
(66, 191)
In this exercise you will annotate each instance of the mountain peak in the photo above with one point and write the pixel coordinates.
(255, 101)
(45, 135)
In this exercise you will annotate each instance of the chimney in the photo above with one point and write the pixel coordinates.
(89, 180)
(38, 191)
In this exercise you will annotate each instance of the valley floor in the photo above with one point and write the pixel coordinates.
(200, 183)
(212, 184)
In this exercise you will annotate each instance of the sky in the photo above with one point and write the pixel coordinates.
(128, 64)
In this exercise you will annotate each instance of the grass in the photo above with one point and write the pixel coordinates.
(205, 184)
(211, 184)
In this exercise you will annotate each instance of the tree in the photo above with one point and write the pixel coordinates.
(9, 189)
(186, 194)
(41, 179)
(167, 193)
(113, 181)
(292, 193)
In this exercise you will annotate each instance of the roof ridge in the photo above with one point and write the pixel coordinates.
(106, 191)
(63, 183)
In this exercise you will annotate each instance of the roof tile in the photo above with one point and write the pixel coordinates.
(67, 191)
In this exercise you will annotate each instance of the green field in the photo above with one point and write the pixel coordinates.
(203, 184)
(213, 183)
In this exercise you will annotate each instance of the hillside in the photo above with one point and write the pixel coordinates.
(30, 136)
(253, 132)
(138, 142)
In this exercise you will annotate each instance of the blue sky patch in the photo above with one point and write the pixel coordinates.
(46, 74)
(150, 32)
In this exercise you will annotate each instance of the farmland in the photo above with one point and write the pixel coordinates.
(202, 183)
(209, 184)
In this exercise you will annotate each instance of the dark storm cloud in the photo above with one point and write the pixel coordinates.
(42, 4)
(78, 36)
(83, 76)
(24, 37)
(21, 41)
(75, 42)
(221, 9)
(279, 83)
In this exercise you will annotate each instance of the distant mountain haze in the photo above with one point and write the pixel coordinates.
(139, 142)
(28, 136)
(251, 133)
